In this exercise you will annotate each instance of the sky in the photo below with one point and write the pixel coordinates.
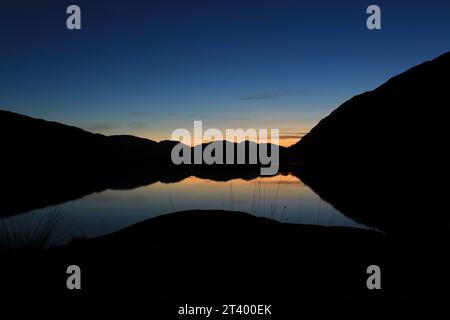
(149, 67)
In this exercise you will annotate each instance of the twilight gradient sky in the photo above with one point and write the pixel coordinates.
(148, 67)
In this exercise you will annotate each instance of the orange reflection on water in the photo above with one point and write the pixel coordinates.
(278, 179)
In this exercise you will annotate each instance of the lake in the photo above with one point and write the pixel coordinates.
(283, 197)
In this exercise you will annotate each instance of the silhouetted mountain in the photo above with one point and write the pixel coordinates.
(251, 154)
(380, 155)
(38, 144)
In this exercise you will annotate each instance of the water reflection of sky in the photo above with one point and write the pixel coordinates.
(284, 198)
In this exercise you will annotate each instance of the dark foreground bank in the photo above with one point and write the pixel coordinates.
(219, 255)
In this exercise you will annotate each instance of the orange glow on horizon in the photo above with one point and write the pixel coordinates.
(283, 142)
(287, 137)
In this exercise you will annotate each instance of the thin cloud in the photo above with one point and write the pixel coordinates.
(294, 132)
(291, 133)
(291, 136)
(264, 96)
(180, 115)
(110, 126)
(138, 125)
(99, 126)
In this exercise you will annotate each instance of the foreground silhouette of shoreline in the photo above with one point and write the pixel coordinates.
(221, 255)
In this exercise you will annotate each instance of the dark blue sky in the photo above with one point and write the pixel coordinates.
(148, 67)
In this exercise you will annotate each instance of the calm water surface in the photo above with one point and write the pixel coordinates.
(283, 198)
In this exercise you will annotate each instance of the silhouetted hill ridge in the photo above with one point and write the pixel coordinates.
(403, 119)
